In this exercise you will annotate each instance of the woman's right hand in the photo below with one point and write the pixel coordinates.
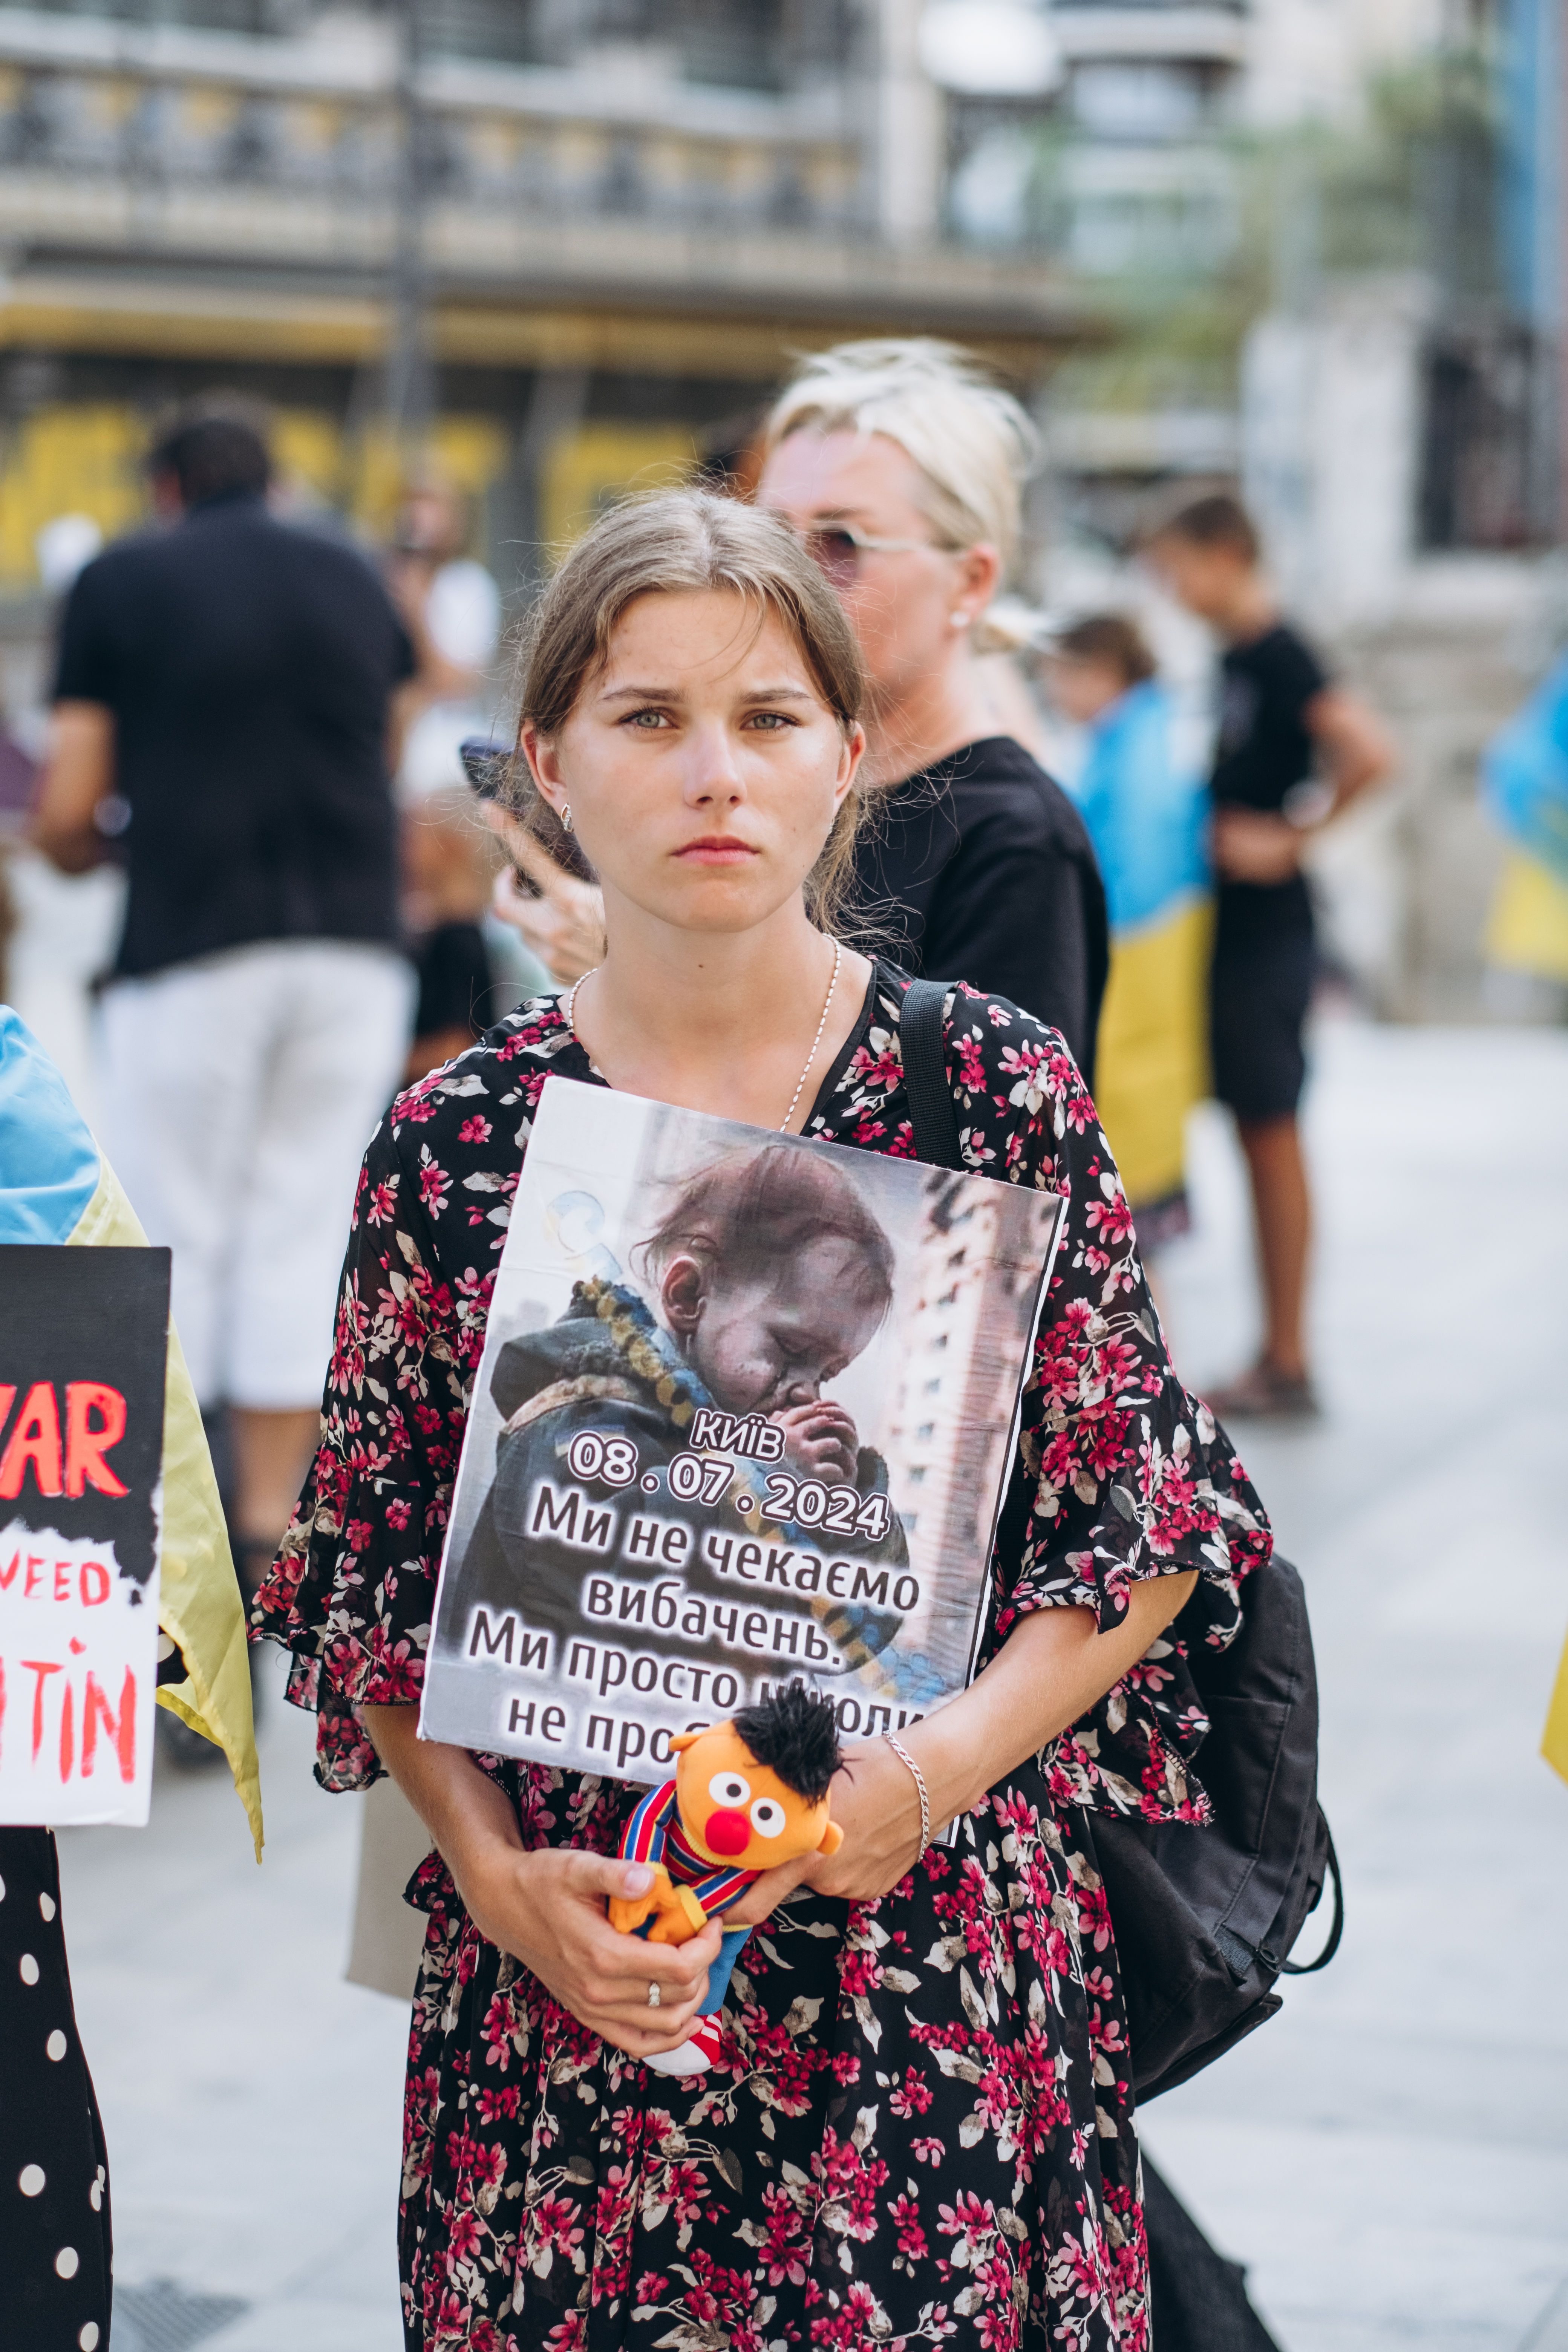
(548, 1909)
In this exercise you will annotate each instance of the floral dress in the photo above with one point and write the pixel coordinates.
(920, 2131)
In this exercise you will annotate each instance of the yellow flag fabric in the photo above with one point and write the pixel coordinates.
(1152, 1061)
(1526, 928)
(199, 1603)
(1555, 1743)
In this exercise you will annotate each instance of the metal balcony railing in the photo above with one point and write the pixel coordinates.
(95, 113)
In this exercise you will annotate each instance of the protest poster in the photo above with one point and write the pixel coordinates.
(83, 1338)
(745, 1414)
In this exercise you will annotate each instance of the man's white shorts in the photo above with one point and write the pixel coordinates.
(239, 1092)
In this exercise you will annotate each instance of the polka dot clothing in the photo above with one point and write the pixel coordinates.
(55, 2243)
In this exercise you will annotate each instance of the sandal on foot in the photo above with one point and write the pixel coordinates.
(1266, 1393)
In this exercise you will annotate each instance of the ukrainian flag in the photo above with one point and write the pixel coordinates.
(57, 1187)
(1146, 812)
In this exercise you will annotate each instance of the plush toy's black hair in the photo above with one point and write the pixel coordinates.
(796, 1734)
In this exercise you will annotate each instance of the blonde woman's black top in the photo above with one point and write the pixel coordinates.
(980, 868)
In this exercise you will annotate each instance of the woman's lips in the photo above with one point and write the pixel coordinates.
(716, 849)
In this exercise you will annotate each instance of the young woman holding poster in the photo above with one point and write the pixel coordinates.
(691, 712)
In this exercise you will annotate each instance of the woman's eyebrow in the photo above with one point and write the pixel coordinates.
(675, 694)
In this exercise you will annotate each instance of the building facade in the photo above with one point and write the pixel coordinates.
(618, 218)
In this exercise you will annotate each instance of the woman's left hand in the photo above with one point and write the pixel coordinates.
(876, 1806)
(1052, 1665)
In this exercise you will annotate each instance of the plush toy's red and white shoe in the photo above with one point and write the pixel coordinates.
(696, 2054)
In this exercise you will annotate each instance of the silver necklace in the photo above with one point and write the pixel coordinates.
(827, 1005)
(800, 1084)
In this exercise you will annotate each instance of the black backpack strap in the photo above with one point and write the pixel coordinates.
(1311, 1967)
(922, 1042)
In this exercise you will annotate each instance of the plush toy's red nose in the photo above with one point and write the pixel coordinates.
(727, 1832)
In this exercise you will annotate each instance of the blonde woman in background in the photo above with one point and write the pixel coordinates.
(902, 465)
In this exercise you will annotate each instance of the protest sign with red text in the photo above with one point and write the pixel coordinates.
(83, 1338)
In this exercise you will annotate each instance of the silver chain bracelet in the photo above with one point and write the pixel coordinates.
(903, 1753)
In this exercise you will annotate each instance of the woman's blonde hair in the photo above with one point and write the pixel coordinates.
(677, 542)
(974, 444)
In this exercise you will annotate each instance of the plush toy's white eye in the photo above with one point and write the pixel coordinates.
(729, 1789)
(768, 1817)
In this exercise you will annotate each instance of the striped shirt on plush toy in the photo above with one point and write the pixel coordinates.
(653, 1835)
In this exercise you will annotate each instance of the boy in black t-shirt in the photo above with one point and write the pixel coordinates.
(1292, 751)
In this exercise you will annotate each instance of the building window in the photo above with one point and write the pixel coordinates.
(1143, 100)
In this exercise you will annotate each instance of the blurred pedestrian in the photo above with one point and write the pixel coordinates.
(450, 858)
(1145, 813)
(1293, 751)
(221, 701)
(900, 464)
(451, 608)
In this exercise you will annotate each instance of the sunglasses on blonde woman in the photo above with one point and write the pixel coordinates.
(837, 549)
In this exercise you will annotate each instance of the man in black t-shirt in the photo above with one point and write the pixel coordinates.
(221, 714)
(1292, 751)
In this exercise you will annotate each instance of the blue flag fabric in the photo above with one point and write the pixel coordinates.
(49, 1161)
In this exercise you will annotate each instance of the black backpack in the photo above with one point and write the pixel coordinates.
(1204, 1917)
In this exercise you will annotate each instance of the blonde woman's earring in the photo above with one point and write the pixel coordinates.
(566, 816)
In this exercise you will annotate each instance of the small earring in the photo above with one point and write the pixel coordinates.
(566, 816)
(959, 620)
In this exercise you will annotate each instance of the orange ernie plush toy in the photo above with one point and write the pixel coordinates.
(747, 1794)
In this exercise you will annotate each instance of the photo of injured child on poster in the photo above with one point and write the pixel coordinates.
(744, 1417)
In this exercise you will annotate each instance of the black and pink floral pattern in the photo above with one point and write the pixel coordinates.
(920, 2130)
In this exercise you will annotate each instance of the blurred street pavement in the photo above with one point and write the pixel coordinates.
(1391, 2155)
